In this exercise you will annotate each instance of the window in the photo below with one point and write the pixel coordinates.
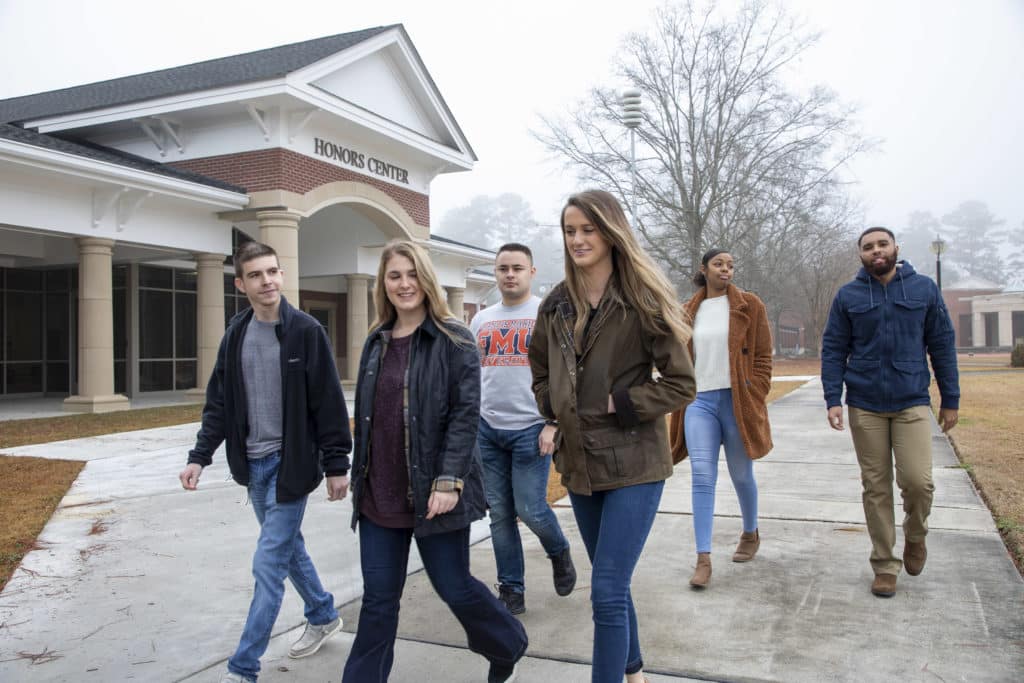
(167, 329)
(36, 313)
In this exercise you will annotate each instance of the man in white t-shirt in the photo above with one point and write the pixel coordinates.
(512, 430)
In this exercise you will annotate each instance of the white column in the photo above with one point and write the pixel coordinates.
(1005, 326)
(977, 329)
(280, 230)
(95, 331)
(209, 315)
(356, 321)
(456, 301)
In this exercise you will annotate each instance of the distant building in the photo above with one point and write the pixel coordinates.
(958, 298)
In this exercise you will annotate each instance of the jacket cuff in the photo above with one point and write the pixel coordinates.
(546, 409)
(337, 466)
(446, 484)
(195, 458)
(625, 411)
(952, 403)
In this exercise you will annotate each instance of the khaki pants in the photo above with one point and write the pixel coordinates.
(880, 439)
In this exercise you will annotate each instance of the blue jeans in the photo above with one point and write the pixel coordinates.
(516, 482)
(614, 526)
(384, 555)
(709, 423)
(280, 552)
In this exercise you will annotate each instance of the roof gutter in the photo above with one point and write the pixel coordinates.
(106, 172)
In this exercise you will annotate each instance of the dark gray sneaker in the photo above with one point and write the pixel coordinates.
(563, 572)
(514, 602)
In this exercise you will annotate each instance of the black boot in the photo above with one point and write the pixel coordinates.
(563, 572)
(513, 601)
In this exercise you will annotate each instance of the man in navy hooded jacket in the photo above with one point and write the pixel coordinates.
(879, 331)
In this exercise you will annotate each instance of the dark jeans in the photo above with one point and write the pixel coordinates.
(516, 482)
(384, 554)
(614, 526)
(280, 552)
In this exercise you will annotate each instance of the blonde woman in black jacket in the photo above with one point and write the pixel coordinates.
(417, 472)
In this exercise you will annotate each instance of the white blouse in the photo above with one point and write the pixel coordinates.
(711, 344)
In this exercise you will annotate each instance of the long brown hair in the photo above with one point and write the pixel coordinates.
(637, 282)
(433, 295)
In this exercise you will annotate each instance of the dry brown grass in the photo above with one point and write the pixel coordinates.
(46, 429)
(782, 367)
(556, 491)
(30, 490)
(989, 440)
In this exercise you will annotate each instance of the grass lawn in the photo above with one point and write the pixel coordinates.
(989, 440)
(47, 429)
(30, 489)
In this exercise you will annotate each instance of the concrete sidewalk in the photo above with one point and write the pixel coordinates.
(137, 579)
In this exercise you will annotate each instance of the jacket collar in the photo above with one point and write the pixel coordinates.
(427, 327)
(903, 269)
(732, 292)
(285, 315)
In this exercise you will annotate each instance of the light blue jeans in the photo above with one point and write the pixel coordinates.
(516, 482)
(280, 552)
(710, 424)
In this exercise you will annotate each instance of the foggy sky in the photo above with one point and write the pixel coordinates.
(940, 82)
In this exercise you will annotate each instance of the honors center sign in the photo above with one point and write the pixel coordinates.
(355, 159)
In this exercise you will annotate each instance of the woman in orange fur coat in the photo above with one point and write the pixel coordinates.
(732, 354)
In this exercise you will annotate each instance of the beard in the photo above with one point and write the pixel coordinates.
(878, 270)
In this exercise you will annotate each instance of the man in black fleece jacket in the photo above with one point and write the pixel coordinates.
(276, 400)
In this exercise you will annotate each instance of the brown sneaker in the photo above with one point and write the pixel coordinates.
(914, 556)
(750, 541)
(702, 574)
(884, 585)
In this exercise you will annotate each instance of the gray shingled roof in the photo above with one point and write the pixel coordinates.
(113, 156)
(245, 68)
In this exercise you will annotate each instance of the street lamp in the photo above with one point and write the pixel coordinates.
(632, 117)
(938, 246)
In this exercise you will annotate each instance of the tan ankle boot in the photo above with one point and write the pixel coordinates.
(702, 574)
(748, 545)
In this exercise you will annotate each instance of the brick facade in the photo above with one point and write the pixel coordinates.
(283, 169)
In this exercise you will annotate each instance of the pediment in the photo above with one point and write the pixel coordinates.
(385, 78)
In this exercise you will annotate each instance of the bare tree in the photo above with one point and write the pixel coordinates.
(729, 154)
(824, 269)
(490, 221)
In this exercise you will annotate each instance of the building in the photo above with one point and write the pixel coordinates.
(997, 320)
(958, 297)
(121, 201)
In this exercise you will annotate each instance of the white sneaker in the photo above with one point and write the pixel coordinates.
(313, 637)
(236, 678)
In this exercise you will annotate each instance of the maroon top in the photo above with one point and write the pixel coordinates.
(386, 500)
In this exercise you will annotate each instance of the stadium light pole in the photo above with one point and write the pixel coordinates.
(632, 116)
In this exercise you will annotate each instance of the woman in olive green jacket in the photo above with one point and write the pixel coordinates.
(599, 337)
